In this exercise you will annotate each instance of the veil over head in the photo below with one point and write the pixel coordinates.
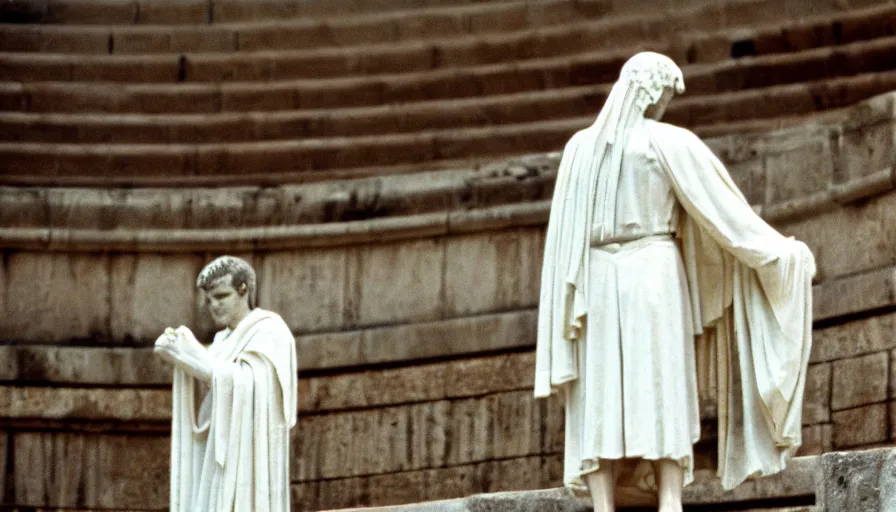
(641, 83)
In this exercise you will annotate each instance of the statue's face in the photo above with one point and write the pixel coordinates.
(226, 305)
(657, 110)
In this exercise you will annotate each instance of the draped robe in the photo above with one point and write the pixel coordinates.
(745, 292)
(232, 454)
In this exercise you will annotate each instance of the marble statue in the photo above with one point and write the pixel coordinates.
(231, 453)
(657, 276)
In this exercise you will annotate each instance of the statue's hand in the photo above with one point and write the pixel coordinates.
(188, 343)
(181, 348)
(166, 346)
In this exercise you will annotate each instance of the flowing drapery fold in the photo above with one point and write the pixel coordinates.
(754, 288)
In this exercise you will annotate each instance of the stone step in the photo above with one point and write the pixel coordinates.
(536, 74)
(270, 163)
(790, 36)
(200, 12)
(404, 60)
(300, 33)
(308, 156)
(770, 36)
(280, 161)
(371, 59)
(299, 156)
(695, 111)
(176, 12)
(527, 75)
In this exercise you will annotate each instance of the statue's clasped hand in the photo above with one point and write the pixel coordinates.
(166, 345)
(181, 348)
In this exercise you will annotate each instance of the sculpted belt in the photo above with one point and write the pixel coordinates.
(615, 245)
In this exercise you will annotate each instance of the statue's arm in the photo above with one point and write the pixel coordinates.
(707, 193)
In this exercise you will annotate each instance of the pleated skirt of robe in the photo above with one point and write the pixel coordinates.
(636, 395)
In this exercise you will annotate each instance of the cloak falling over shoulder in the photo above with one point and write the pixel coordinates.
(750, 294)
(232, 453)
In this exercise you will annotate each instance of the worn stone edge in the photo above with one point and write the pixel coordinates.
(799, 479)
(384, 229)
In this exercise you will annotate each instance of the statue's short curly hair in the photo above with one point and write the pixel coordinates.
(242, 274)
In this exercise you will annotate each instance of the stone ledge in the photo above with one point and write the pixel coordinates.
(798, 481)
(384, 228)
(836, 482)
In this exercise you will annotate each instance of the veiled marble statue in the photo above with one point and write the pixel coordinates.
(657, 276)
(234, 402)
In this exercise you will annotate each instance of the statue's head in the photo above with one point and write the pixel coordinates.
(229, 286)
(654, 79)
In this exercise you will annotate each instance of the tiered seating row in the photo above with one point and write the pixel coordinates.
(508, 18)
(409, 55)
(528, 107)
(325, 110)
(372, 144)
(302, 33)
(176, 12)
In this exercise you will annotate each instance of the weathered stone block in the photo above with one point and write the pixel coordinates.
(871, 244)
(853, 294)
(860, 426)
(361, 31)
(153, 69)
(419, 383)
(856, 480)
(867, 150)
(450, 337)
(493, 271)
(421, 26)
(206, 40)
(58, 297)
(100, 404)
(817, 439)
(307, 288)
(434, 484)
(155, 12)
(749, 177)
(860, 381)
(425, 435)
(330, 350)
(514, 18)
(817, 397)
(800, 172)
(399, 282)
(129, 41)
(90, 470)
(855, 338)
(237, 10)
(150, 292)
(92, 12)
(82, 366)
(376, 441)
(282, 36)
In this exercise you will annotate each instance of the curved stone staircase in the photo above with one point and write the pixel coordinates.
(124, 93)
